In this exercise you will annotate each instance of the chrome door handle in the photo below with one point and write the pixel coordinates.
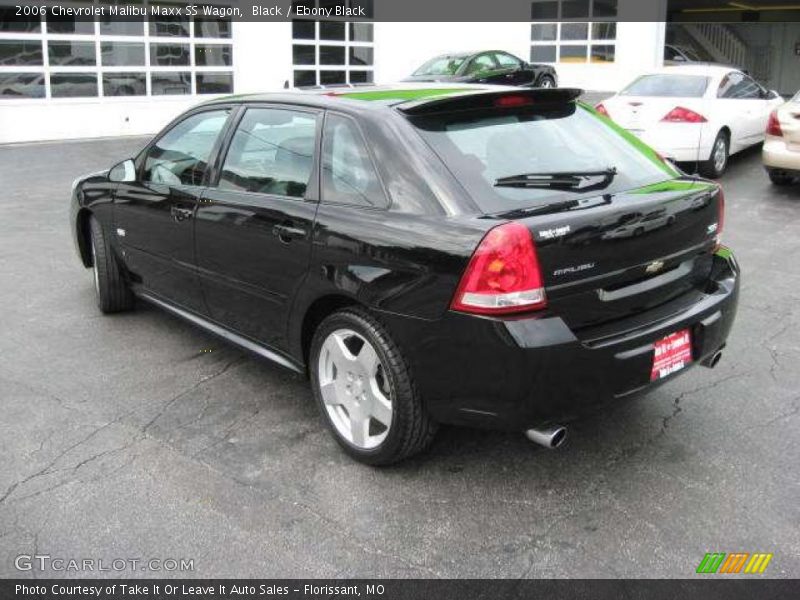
(181, 214)
(285, 232)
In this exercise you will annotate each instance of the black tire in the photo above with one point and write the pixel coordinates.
(111, 289)
(545, 81)
(713, 168)
(778, 177)
(412, 429)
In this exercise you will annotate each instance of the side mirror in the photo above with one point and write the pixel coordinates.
(124, 172)
(774, 94)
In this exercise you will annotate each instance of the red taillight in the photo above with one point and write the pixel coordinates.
(774, 125)
(503, 275)
(679, 114)
(602, 110)
(512, 100)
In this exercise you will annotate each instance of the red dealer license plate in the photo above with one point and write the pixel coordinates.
(671, 354)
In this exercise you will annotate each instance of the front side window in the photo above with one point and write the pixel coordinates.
(481, 64)
(181, 156)
(506, 61)
(348, 175)
(272, 152)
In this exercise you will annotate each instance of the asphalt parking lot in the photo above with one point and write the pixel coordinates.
(139, 436)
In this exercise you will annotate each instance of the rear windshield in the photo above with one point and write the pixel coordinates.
(441, 65)
(668, 86)
(480, 148)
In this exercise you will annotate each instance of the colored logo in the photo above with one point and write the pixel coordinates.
(735, 562)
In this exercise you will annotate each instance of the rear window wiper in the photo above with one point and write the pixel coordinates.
(572, 181)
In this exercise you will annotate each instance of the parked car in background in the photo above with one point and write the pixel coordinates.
(675, 55)
(424, 255)
(782, 145)
(694, 114)
(492, 67)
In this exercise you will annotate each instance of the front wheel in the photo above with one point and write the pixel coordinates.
(716, 164)
(547, 82)
(365, 390)
(111, 289)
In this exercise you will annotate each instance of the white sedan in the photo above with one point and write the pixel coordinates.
(782, 146)
(694, 113)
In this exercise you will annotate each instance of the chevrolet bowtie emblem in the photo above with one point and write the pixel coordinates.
(654, 267)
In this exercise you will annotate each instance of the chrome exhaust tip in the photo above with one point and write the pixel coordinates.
(550, 437)
(712, 360)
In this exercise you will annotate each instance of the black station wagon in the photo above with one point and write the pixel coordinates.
(498, 257)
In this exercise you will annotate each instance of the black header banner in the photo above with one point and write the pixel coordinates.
(349, 10)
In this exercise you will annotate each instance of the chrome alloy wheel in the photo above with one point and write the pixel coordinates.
(719, 155)
(354, 389)
(94, 270)
(547, 83)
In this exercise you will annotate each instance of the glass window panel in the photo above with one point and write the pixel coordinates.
(303, 30)
(331, 55)
(544, 32)
(112, 26)
(331, 30)
(212, 28)
(73, 85)
(21, 85)
(69, 24)
(305, 78)
(361, 32)
(573, 54)
(124, 84)
(348, 174)
(360, 56)
(169, 26)
(304, 54)
(603, 54)
(214, 83)
(604, 31)
(180, 157)
(217, 55)
(170, 83)
(11, 23)
(360, 76)
(604, 8)
(169, 54)
(575, 9)
(332, 77)
(72, 54)
(366, 5)
(272, 152)
(543, 54)
(20, 52)
(546, 10)
(122, 54)
(574, 31)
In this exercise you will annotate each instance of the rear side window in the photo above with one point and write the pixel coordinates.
(668, 86)
(348, 175)
(180, 157)
(483, 147)
(737, 86)
(272, 152)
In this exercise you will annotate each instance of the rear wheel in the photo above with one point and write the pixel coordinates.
(778, 177)
(365, 391)
(111, 290)
(547, 82)
(716, 164)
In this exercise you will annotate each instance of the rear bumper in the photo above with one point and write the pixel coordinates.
(777, 155)
(516, 374)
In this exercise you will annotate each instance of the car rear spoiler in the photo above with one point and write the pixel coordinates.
(504, 98)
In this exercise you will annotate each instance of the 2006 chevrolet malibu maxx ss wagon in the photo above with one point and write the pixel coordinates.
(503, 258)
